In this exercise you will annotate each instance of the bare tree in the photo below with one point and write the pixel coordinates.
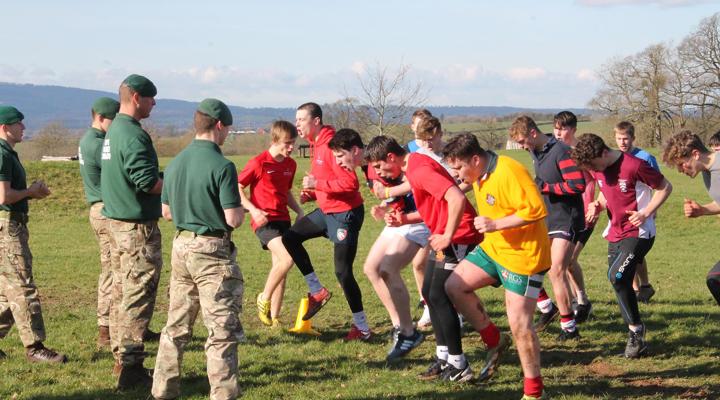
(387, 97)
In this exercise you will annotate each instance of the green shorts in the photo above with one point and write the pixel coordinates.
(524, 285)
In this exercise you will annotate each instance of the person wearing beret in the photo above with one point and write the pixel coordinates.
(201, 196)
(19, 298)
(130, 187)
(104, 110)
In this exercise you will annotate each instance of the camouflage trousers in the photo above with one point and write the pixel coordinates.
(101, 226)
(19, 298)
(137, 246)
(205, 276)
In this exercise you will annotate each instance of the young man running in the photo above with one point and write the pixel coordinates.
(565, 123)
(515, 253)
(270, 177)
(448, 215)
(339, 217)
(561, 184)
(686, 152)
(618, 174)
(392, 251)
(625, 137)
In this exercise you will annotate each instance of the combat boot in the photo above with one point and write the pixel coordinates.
(103, 339)
(150, 336)
(39, 353)
(132, 376)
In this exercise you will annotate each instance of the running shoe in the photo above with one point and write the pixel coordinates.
(263, 310)
(546, 318)
(582, 312)
(276, 324)
(636, 345)
(358, 334)
(434, 370)
(316, 302)
(452, 374)
(645, 293)
(564, 335)
(492, 359)
(403, 344)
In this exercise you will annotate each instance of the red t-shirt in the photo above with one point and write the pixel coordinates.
(429, 182)
(617, 183)
(269, 183)
(337, 189)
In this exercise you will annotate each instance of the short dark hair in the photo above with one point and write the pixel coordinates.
(625, 127)
(463, 147)
(714, 140)
(589, 147)
(522, 126)
(380, 146)
(565, 119)
(680, 146)
(345, 139)
(421, 113)
(312, 108)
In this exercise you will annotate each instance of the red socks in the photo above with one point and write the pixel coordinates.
(533, 386)
(490, 335)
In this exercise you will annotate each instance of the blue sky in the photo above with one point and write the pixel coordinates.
(282, 52)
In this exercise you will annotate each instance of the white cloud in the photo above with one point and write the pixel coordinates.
(358, 67)
(459, 73)
(586, 74)
(524, 73)
(664, 3)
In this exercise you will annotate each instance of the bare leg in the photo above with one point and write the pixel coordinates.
(560, 252)
(575, 275)
(418, 263)
(282, 263)
(399, 253)
(372, 271)
(641, 276)
(277, 296)
(520, 318)
(461, 286)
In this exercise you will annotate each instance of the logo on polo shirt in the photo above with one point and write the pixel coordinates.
(623, 183)
(106, 149)
(490, 199)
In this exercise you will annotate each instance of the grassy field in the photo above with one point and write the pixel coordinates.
(682, 321)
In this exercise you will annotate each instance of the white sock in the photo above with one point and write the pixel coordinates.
(458, 361)
(636, 328)
(313, 283)
(545, 306)
(441, 352)
(568, 326)
(581, 297)
(360, 320)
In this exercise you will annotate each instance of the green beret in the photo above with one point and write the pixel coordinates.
(216, 109)
(106, 107)
(10, 115)
(141, 85)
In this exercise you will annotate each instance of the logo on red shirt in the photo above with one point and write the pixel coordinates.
(623, 183)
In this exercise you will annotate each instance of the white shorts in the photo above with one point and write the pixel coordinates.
(416, 233)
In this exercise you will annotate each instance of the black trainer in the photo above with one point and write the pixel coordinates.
(546, 318)
(392, 336)
(636, 345)
(403, 344)
(434, 370)
(568, 335)
(582, 312)
(453, 374)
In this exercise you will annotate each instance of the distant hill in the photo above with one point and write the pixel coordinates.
(43, 104)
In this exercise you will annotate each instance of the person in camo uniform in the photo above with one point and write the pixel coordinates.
(130, 187)
(19, 299)
(201, 196)
(104, 110)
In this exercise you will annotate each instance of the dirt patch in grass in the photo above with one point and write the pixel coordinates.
(603, 368)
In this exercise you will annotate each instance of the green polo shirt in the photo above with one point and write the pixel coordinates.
(199, 184)
(89, 152)
(129, 171)
(12, 171)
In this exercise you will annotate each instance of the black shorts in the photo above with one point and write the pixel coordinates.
(450, 256)
(584, 235)
(567, 233)
(270, 231)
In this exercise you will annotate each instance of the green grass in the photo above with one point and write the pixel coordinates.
(682, 321)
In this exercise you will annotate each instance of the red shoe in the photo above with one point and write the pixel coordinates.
(357, 334)
(316, 302)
